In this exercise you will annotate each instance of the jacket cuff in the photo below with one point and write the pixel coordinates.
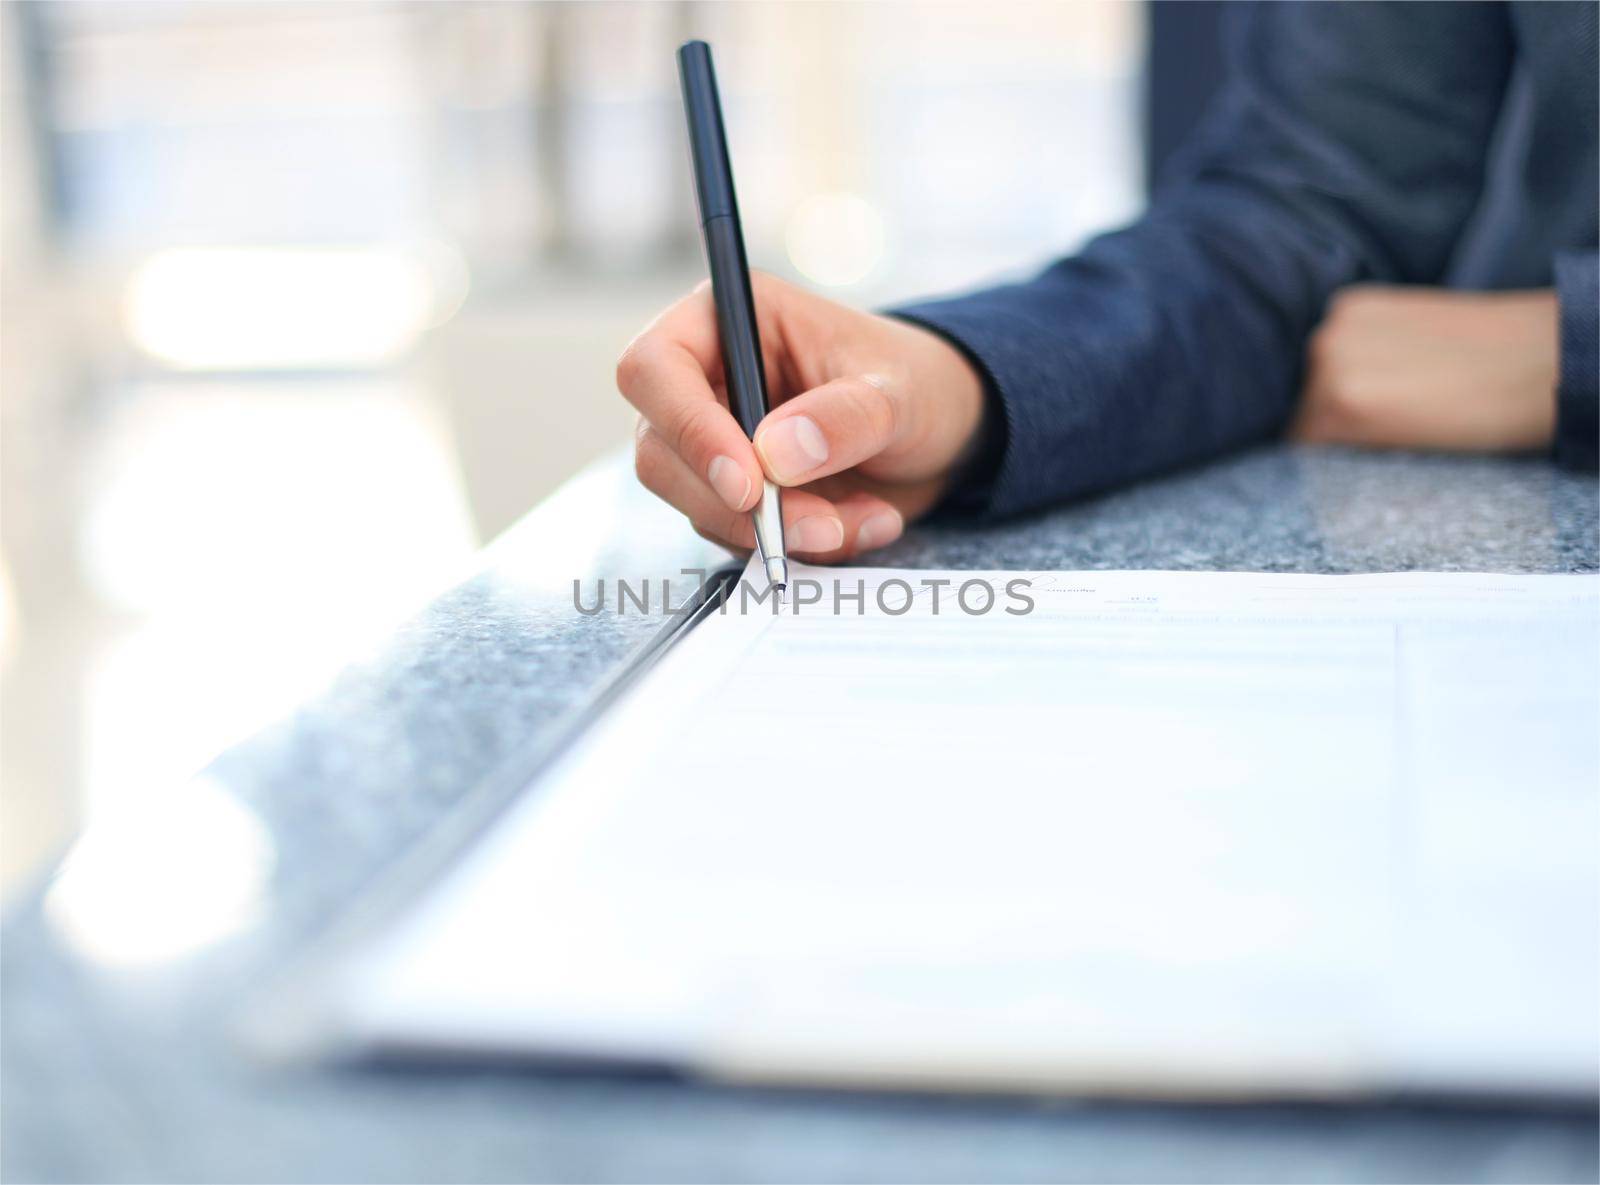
(1578, 389)
(1022, 440)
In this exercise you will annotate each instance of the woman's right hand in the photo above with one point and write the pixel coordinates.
(870, 417)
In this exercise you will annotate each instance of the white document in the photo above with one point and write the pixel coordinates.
(1167, 833)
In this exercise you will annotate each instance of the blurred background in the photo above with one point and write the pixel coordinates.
(301, 303)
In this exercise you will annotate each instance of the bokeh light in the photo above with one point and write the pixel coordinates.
(835, 239)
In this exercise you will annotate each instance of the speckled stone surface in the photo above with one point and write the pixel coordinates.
(115, 1074)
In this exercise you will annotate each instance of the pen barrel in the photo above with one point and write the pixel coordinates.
(742, 367)
(708, 142)
(744, 372)
(724, 238)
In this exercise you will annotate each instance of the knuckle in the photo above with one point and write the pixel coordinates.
(1353, 296)
(1359, 303)
(1336, 320)
(1340, 403)
(1326, 363)
(649, 465)
(692, 431)
(876, 408)
(635, 363)
(628, 368)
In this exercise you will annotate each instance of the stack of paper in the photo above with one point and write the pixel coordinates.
(1164, 832)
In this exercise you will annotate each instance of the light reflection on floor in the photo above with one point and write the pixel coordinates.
(239, 542)
(262, 534)
(153, 880)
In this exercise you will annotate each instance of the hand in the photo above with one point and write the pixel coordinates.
(869, 418)
(1427, 368)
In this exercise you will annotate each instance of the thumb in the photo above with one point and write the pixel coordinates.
(828, 429)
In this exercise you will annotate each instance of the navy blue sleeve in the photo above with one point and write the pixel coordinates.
(1578, 392)
(1349, 144)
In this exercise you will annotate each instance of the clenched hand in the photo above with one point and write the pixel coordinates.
(870, 418)
(1427, 368)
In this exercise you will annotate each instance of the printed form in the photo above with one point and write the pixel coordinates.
(1165, 833)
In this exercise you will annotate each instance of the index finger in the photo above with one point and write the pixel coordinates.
(664, 374)
(691, 321)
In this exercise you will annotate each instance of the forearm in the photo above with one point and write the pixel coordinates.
(1156, 346)
(1322, 165)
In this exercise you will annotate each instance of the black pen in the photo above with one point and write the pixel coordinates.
(730, 283)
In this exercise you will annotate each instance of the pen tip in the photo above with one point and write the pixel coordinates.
(777, 572)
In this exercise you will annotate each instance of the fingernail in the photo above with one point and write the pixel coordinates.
(731, 482)
(879, 530)
(816, 532)
(792, 447)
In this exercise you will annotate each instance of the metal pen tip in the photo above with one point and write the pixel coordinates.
(777, 572)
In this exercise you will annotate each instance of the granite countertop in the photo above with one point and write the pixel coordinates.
(117, 1072)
